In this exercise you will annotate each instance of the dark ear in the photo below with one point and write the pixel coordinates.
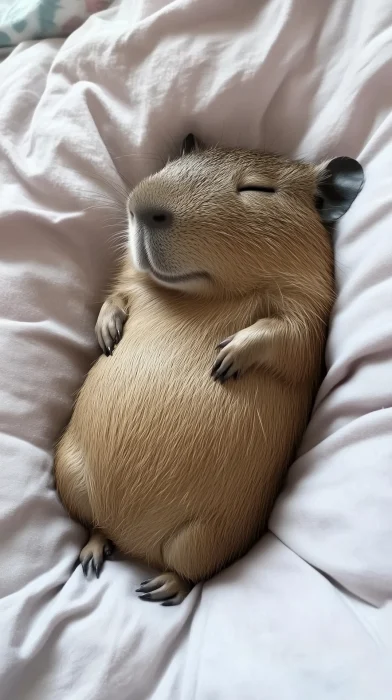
(340, 182)
(190, 144)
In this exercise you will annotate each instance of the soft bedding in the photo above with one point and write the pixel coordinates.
(307, 613)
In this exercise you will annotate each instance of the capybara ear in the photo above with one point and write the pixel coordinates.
(340, 181)
(190, 144)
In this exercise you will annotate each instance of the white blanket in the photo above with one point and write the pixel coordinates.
(307, 614)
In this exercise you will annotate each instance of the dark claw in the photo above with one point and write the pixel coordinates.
(224, 342)
(222, 376)
(169, 603)
(86, 564)
(97, 566)
(236, 374)
(216, 366)
(147, 586)
(146, 596)
(108, 549)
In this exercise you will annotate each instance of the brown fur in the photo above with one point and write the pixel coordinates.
(177, 469)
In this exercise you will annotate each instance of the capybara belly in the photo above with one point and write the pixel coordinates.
(174, 446)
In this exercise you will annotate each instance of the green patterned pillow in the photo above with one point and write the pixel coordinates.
(21, 20)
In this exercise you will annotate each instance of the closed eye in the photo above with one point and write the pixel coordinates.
(256, 188)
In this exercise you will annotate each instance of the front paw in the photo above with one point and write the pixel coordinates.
(109, 326)
(236, 355)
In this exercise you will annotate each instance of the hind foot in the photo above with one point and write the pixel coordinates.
(97, 549)
(167, 588)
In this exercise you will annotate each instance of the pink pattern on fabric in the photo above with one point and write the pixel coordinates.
(71, 24)
(96, 5)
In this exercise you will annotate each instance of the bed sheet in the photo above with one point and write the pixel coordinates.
(307, 613)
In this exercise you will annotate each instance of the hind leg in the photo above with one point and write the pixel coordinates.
(71, 486)
(167, 588)
(194, 554)
(70, 477)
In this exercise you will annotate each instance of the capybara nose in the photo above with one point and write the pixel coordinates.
(153, 217)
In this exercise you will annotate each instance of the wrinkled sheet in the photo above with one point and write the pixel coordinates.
(307, 613)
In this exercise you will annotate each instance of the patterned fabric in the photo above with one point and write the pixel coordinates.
(35, 19)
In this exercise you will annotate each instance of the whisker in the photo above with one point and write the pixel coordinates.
(114, 224)
(141, 156)
(101, 206)
(104, 196)
(117, 187)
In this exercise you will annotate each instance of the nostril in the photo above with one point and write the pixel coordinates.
(159, 218)
(154, 218)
